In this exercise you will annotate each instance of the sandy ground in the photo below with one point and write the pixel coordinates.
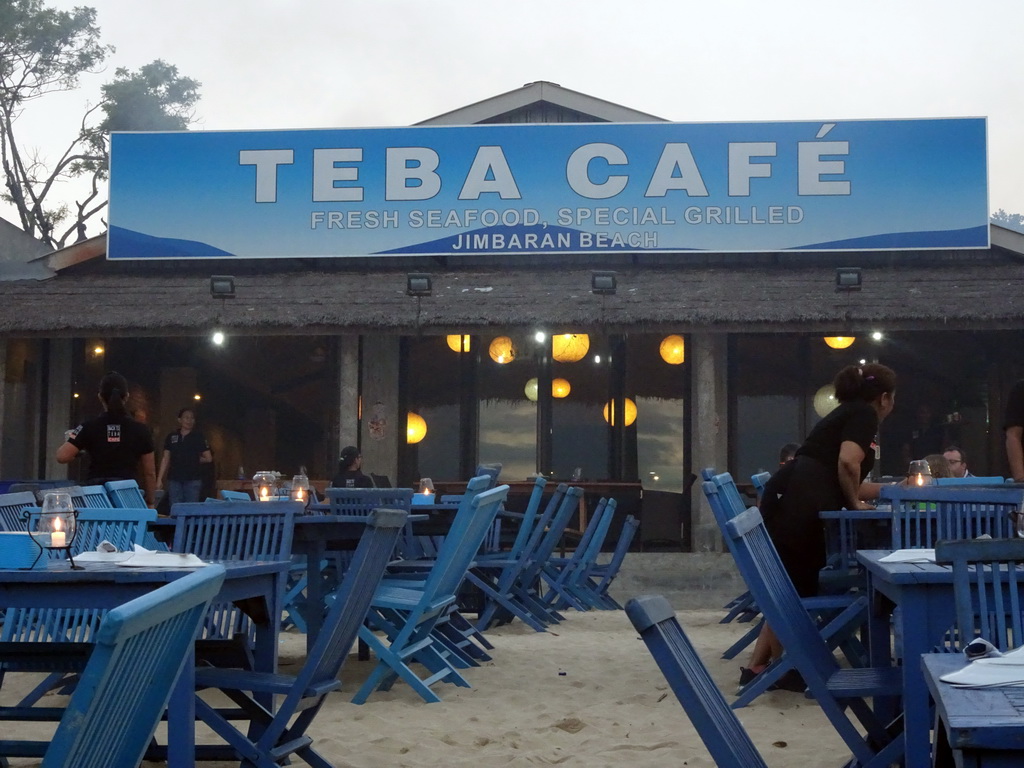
(586, 693)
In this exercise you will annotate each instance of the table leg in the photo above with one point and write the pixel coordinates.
(181, 718)
(314, 592)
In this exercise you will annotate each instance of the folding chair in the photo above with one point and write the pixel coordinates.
(923, 516)
(837, 691)
(496, 575)
(233, 530)
(125, 493)
(407, 615)
(273, 736)
(11, 507)
(95, 497)
(987, 585)
(139, 652)
(605, 573)
(838, 617)
(564, 575)
(717, 725)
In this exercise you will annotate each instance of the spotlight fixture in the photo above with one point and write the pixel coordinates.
(603, 283)
(847, 279)
(222, 287)
(418, 284)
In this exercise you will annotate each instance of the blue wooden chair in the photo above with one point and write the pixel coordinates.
(717, 725)
(407, 615)
(233, 530)
(925, 515)
(272, 736)
(125, 493)
(741, 607)
(95, 496)
(139, 653)
(602, 575)
(987, 583)
(992, 480)
(565, 576)
(74, 491)
(227, 495)
(838, 617)
(525, 589)
(840, 693)
(11, 507)
(497, 575)
(759, 481)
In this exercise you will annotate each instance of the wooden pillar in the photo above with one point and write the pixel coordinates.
(710, 429)
(383, 424)
(58, 406)
(348, 395)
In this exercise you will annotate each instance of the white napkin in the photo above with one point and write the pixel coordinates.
(146, 558)
(909, 556)
(990, 671)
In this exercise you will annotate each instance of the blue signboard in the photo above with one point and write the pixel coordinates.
(550, 188)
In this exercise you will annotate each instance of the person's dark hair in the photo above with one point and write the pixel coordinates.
(787, 452)
(864, 382)
(348, 456)
(958, 449)
(185, 410)
(114, 393)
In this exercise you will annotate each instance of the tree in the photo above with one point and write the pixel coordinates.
(44, 51)
(1010, 220)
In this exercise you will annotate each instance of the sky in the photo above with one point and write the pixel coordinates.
(274, 64)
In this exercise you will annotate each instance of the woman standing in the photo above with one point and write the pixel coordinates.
(119, 447)
(185, 451)
(828, 472)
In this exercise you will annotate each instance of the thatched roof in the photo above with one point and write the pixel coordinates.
(771, 292)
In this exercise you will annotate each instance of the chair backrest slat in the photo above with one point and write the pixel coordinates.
(987, 581)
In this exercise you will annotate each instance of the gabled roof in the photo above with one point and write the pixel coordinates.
(530, 100)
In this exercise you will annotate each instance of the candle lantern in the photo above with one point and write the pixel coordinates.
(920, 473)
(425, 494)
(264, 485)
(54, 525)
(300, 489)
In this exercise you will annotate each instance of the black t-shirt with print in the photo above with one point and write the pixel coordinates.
(855, 421)
(185, 452)
(114, 445)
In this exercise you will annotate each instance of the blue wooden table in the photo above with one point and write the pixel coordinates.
(255, 586)
(983, 726)
(924, 593)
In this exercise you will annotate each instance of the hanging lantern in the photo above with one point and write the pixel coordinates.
(569, 347)
(457, 343)
(415, 429)
(839, 342)
(531, 389)
(502, 350)
(560, 388)
(673, 349)
(630, 409)
(825, 400)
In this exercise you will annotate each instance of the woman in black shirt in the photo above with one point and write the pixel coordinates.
(350, 474)
(119, 447)
(828, 472)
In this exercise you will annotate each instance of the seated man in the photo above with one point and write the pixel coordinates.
(957, 460)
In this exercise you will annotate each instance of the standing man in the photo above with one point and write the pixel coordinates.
(185, 450)
(1013, 425)
(957, 460)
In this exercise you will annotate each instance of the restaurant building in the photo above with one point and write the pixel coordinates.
(714, 357)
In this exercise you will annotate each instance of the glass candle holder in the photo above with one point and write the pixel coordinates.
(920, 474)
(300, 489)
(54, 525)
(264, 485)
